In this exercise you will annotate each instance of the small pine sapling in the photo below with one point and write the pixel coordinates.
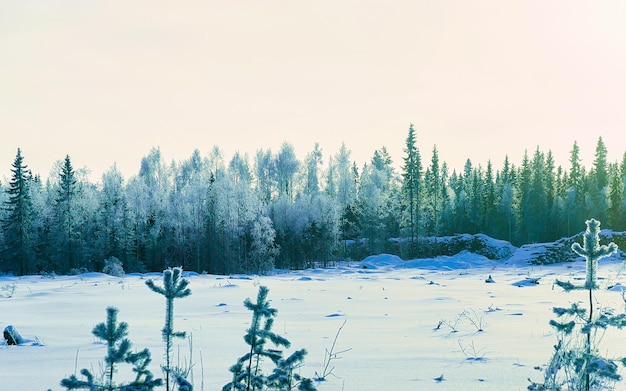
(285, 377)
(576, 363)
(118, 352)
(248, 373)
(174, 287)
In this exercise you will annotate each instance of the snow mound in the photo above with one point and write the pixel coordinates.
(460, 261)
(382, 261)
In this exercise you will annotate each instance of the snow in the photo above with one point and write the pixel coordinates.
(409, 324)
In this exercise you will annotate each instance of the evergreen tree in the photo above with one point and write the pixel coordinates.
(17, 224)
(66, 212)
(489, 201)
(616, 197)
(535, 214)
(577, 363)
(433, 191)
(597, 202)
(576, 198)
(523, 200)
(118, 352)
(504, 217)
(600, 165)
(248, 372)
(411, 186)
(174, 287)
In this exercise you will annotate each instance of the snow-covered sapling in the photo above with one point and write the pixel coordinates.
(248, 373)
(174, 287)
(576, 363)
(118, 352)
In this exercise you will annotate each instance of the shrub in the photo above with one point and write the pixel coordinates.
(113, 267)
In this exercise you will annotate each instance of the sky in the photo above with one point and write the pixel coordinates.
(106, 81)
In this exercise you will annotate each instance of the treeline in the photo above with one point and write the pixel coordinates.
(274, 211)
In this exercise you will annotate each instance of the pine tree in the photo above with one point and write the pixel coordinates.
(118, 352)
(174, 287)
(18, 222)
(577, 363)
(248, 372)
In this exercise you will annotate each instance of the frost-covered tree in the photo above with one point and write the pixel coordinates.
(312, 166)
(118, 352)
(261, 250)
(112, 212)
(174, 287)
(148, 195)
(577, 362)
(286, 165)
(239, 168)
(264, 169)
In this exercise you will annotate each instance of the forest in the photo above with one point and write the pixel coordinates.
(252, 215)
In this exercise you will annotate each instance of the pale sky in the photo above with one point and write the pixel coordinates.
(105, 81)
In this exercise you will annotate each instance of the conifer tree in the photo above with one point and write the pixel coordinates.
(174, 287)
(66, 194)
(577, 363)
(118, 352)
(248, 372)
(411, 186)
(19, 207)
(616, 198)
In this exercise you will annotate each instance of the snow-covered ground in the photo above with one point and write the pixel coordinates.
(408, 323)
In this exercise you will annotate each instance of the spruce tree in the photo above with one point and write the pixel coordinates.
(17, 224)
(577, 363)
(411, 185)
(66, 195)
(174, 287)
(118, 352)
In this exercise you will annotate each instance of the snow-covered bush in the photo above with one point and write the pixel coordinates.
(78, 271)
(113, 267)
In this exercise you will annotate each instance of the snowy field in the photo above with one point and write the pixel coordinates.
(409, 324)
